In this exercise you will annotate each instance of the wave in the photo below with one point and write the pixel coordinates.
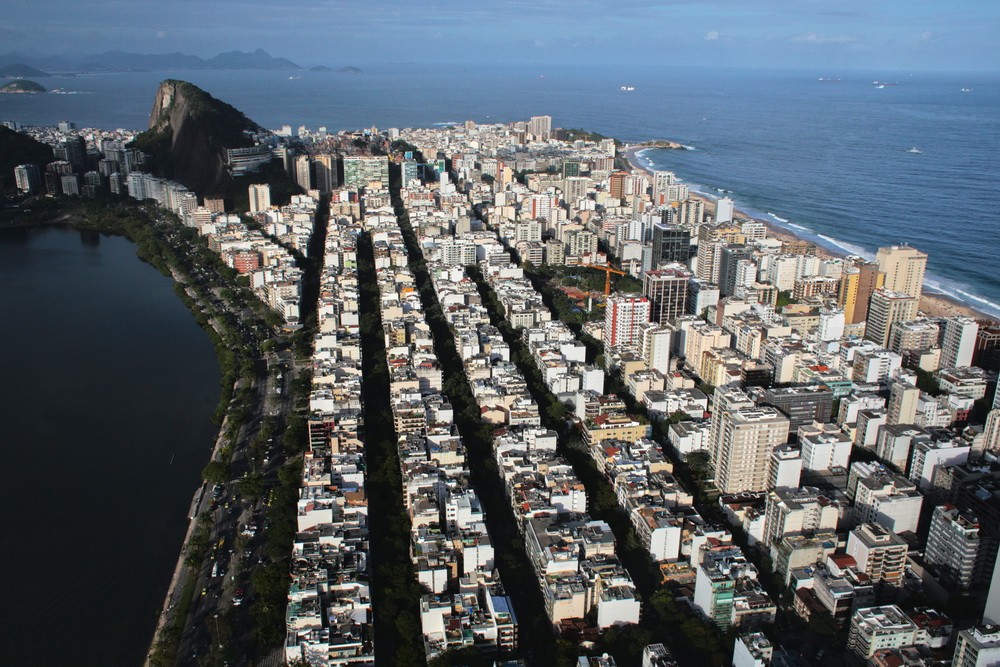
(792, 224)
(446, 123)
(844, 245)
(688, 148)
(778, 218)
(995, 306)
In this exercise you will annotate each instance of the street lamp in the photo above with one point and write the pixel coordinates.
(218, 637)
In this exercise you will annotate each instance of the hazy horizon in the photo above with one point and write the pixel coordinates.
(862, 35)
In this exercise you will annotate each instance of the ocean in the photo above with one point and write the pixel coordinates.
(827, 160)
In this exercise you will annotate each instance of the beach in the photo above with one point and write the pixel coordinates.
(931, 305)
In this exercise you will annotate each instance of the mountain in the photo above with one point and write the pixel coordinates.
(320, 68)
(22, 86)
(17, 148)
(189, 132)
(259, 59)
(349, 70)
(21, 70)
(118, 61)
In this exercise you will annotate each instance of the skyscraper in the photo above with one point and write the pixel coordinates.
(671, 243)
(662, 180)
(724, 400)
(667, 291)
(887, 307)
(960, 548)
(903, 267)
(724, 210)
(76, 153)
(747, 437)
(857, 284)
(959, 342)
(303, 172)
(541, 127)
(326, 173)
(624, 316)
(729, 257)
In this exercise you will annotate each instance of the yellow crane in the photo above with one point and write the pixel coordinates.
(608, 270)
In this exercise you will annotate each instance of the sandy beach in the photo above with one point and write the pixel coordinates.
(931, 305)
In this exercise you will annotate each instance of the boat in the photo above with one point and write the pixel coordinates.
(628, 89)
(883, 84)
(967, 90)
(914, 150)
(294, 78)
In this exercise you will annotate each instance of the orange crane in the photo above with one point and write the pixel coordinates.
(608, 270)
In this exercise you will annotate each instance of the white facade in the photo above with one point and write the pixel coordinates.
(959, 342)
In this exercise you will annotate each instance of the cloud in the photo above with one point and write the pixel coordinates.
(539, 44)
(712, 35)
(813, 38)
(923, 37)
(160, 34)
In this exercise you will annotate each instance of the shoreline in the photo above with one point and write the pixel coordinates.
(931, 304)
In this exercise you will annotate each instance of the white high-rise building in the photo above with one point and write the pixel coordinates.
(260, 197)
(959, 342)
(656, 342)
(724, 210)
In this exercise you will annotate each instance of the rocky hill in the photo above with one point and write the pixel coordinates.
(22, 86)
(17, 148)
(189, 132)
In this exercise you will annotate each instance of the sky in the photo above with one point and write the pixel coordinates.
(841, 35)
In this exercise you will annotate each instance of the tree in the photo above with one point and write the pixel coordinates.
(216, 472)
(699, 463)
(252, 485)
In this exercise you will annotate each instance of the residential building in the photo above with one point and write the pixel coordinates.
(978, 646)
(886, 308)
(624, 316)
(260, 197)
(904, 269)
(359, 170)
(879, 553)
(875, 628)
(857, 284)
(960, 549)
(746, 439)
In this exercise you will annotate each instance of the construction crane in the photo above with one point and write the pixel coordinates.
(608, 270)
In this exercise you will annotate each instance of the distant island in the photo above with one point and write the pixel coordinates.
(349, 70)
(22, 86)
(123, 61)
(320, 68)
(20, 70)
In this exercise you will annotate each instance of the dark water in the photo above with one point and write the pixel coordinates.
(830, 157)
(104, 378)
